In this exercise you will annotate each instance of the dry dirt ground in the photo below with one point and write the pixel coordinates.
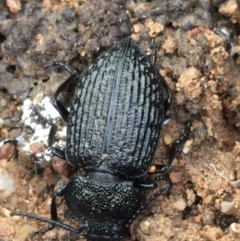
(198, 47)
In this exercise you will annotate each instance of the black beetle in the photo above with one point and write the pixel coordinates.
(113, 130)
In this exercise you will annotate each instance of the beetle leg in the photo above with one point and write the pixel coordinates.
(58, 152)
(176, 145)
(165, 178)
(173, 149)
(54, 216)
(154, 52)
(164, 190)
(55, 151)
(150, 182)
(56, 103)
(168, 100)
(59, 193)
(53, 222)
(46, 220)
(144, 184)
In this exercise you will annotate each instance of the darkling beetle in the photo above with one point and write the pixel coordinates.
(113, 130)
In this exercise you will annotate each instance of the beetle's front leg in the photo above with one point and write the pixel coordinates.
(60, 192)
(53, 222)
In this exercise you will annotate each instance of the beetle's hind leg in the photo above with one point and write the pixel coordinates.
(151, 184)
(56, 103)
(173, 149)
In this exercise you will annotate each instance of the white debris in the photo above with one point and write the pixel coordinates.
(49, 110)
(6, 184)
(234, 228)
(187, 146)
(228, 207)
(40, 131)
(220, 175)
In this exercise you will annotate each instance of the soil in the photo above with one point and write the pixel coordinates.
(198, 47)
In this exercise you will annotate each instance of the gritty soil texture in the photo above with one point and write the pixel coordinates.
(198, 47)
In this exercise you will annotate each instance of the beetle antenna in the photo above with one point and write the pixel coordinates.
(47, 220)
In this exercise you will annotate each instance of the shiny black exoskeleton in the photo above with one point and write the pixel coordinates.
(113, 131)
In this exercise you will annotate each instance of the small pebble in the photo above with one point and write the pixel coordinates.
(228, 207)
(180, 204)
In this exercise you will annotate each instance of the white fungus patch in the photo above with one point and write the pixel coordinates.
(40, 131)
(49, 110)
